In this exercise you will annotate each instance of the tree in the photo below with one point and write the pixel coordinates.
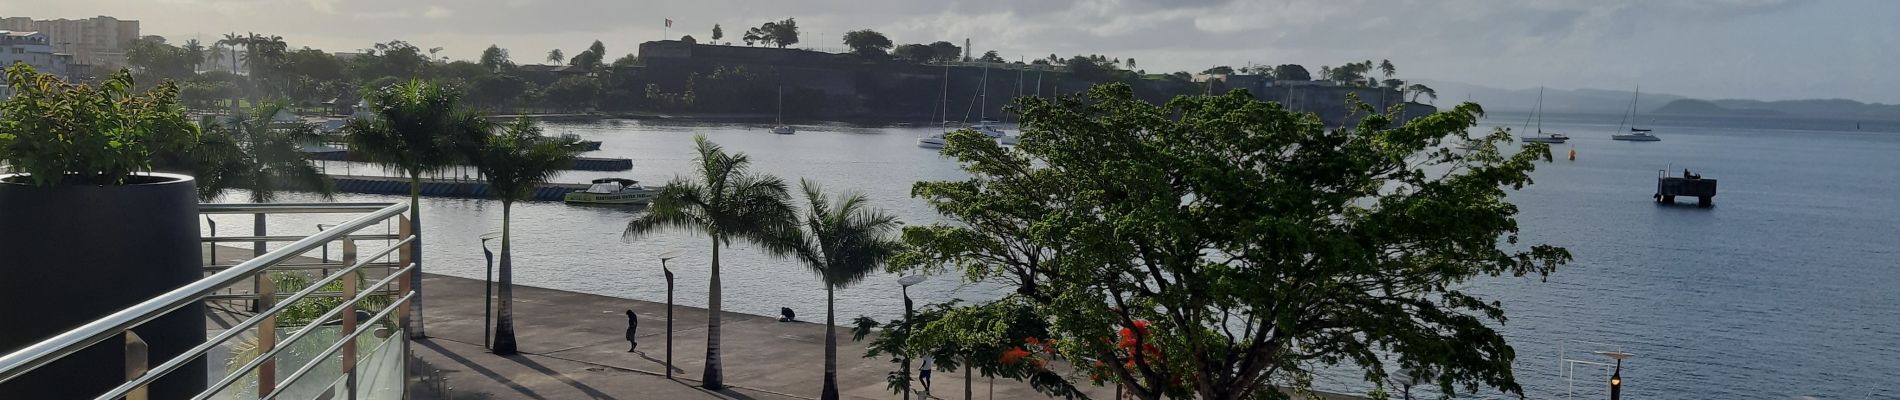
(555, 56)
(1291, 72)
(866, 42)
(943, 51)
(628, 60)
(844, 241)
(1241, 245)
(1418, 89)
(688, 39)
(1220, 70)
(195, 53)
(725, 202)
(575, 92)
(1386, 67)
(778, 33)
(1131, 63)
(718, 34)
(515, 163)
(915, 53)
(257, 153)
(496, 59)
(414, 129)
(992, 57)
(592, 58)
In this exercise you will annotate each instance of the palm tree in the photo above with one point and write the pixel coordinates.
(1386, 67)
(414, 130)
(258, 153)
(231, 41)
(724, 202)
(844, 242)
(515, 163)
(555, 56)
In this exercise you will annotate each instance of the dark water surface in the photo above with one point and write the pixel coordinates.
(1787, 288)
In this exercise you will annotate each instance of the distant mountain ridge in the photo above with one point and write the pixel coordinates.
(1598, 101)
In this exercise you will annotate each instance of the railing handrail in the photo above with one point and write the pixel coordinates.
(20, 362)
(288, 208)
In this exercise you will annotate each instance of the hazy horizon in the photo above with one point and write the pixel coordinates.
(1710, 49)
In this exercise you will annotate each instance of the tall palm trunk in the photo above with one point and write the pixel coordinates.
(236, 89)
(712, 378)
(831, 348)
(415, 254)
(505, 312)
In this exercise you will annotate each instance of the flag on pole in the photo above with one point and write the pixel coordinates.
(669, 23)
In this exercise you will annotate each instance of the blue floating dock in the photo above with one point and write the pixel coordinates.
(441, 187)
(580, 163)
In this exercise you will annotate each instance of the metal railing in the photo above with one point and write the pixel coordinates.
(348, 271)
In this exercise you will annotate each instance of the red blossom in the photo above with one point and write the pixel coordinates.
(1013, 355)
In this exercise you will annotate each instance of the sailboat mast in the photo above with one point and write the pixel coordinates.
(983, 99)
(946, 96)
(1540, 110)
(781, 105)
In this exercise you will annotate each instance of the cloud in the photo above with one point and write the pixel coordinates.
(324, 6)
(438, 12)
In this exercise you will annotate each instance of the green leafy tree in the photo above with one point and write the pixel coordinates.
(1002, 338)
(844, 242)
(725, 202)
(943, 51)
(778, 33)
(1243, 245)
(1220, 70)
(1419, 89)
(496, 59)
(718, 33)
(688, 39)
(555, 56)
(1386, 67)
(992, 57)
(515, 163)
(1291, 72)
(868, 43)
(415, 129)
(914, 52)
(628, 60)
(576, 93)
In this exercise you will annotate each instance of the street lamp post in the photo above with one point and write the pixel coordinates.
(488, 291)
(669, 308)
(1616, 378)
(906, 282)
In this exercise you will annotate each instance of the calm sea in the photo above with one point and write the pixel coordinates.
(1787, 288)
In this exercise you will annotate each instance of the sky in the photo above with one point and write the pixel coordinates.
(1756, 49)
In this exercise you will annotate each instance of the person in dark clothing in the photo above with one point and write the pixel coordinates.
(786, 314)
(633, 326)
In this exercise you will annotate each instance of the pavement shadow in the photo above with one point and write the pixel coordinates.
(726, 393)
(544, 370)
(472, 366)
(659, 362)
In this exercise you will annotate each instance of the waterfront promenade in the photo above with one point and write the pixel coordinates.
(573, 347)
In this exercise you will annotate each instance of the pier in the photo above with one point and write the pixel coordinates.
(580, 163)
(1669, 187)
(441, 187)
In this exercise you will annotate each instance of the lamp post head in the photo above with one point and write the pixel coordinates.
(670, 254)
(910, 280)
(490, 236)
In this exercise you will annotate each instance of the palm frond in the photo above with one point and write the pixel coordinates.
(519, 159)
(847, 239)
(679, 205)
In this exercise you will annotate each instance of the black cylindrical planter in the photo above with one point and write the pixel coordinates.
(70, 254)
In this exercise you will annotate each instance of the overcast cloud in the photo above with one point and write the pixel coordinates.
(1764, 49)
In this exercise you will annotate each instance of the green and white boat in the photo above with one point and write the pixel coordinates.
(613, 191)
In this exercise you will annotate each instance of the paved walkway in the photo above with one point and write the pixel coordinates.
(573, 347)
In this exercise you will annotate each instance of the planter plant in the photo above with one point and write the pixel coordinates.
(87, 229)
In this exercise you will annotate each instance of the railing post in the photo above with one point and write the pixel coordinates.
(410, 315)
(349, 319)
(267, 335)
(136, 363)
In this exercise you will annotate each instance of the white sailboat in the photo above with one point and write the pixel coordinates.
(985, 125)
(1635, 134)
(782, 128)
(1541, 136)
(936, 140)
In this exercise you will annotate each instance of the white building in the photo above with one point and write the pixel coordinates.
(32, 48)
(98, 41)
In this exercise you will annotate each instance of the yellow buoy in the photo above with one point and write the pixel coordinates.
(1573, 154)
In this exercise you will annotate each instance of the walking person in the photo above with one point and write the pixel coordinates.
(633, 325)
(923, 372)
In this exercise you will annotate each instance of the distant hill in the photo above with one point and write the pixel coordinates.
(1557, 101)
(1597, 101)
(1705, 107)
